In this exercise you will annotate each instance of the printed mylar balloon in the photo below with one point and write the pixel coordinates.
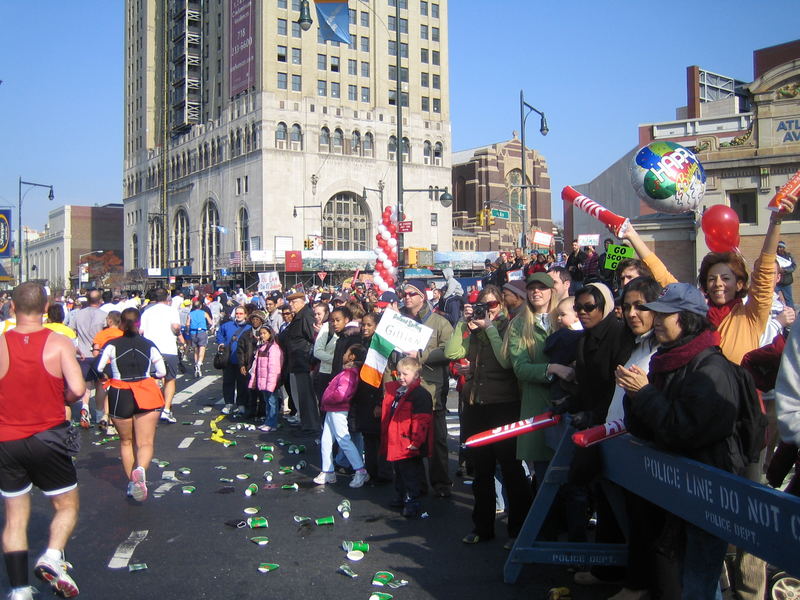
(668, 177)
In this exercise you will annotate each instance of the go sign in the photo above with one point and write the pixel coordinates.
(615, 254)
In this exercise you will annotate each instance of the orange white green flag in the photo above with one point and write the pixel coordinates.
(394, 332)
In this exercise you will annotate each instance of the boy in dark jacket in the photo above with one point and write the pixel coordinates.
(407, 434)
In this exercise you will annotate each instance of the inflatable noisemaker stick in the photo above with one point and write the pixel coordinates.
(593, 209)
(790, 188)
(599, 433)
(498, 434)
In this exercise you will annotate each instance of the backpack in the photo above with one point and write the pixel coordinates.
(751, 423)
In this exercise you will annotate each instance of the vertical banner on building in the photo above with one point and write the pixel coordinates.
(334, 20)
(5, 233)
(242, 57)
(294, 261)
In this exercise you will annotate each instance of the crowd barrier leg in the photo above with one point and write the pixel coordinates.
(528, 550)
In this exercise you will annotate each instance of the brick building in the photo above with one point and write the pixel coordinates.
(488, 178)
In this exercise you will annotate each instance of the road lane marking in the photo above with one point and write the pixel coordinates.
(124, 552)
(186, 393)
(186, 443)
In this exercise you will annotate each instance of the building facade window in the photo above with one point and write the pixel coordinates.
(280, 134)
(135, 251)
(346, 223)
(355, 143)
(210, 236)
(322, 62)
(438, 152)
(423, 55)
(296, 31)
(155, 238)
(281, 54)
(297, 137)
(325, 139)
(335, 89)
(434, 34)
(352, 93)
(425, 104)
(423, 8)
(423, 32)
(391, 148)
(435, 11)
(427, 152)
(322, 88)
(334, 64)
(365, 19)
(369, 145)
(282, 23)
(437, 82)
(297, 56)
(437, 105)
(181, 250)
(283, 82)
(338, 140)
(364, 44)
(243, 231)
(364, 69)
(435, 57)
(365, 94)
(352, 67)
(745, 204)
(297, 83)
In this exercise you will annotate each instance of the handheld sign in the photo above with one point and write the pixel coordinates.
(589, 239)
(491, 436)
(615, 254)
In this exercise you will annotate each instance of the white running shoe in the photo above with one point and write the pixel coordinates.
(25, 593)
(227, 409)
(166, 415)
(54, 572)
(139, 491)
(324, 478)
(359, 479)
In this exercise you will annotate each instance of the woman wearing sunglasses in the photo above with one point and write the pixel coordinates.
(489, 398)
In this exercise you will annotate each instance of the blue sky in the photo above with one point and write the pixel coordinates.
(597, 69)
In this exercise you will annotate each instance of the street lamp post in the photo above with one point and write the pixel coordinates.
(50, 196)
(543, 129)
(379, 189)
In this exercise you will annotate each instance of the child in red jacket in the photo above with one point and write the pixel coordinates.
(336, 404)
(406, 433)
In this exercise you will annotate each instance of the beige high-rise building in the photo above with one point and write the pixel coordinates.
(259, 118)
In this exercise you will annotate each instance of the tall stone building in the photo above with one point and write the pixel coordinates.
(235, 117)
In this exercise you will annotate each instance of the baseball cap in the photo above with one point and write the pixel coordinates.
(542, 278)
(386, 299)
(679, 297)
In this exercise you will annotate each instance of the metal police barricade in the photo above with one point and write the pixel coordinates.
(761, 520)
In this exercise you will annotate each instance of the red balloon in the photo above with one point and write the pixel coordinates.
(721, 227)
(392, 229)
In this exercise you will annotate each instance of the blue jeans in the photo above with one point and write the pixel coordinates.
(702, 564)
(271, 407)
(358, 441)
(787, 294)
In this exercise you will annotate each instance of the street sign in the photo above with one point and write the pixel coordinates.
(500, 214)
(405, 226)
(322, 275)
(520, 207)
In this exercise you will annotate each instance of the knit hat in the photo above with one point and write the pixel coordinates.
(517, 287)
(418, 284)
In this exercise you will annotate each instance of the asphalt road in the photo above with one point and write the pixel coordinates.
(190, 552)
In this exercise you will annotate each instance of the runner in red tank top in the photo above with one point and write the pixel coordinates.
(38, 374)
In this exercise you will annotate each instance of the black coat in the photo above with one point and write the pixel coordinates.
(600, 350)
(297, 341)
(694, 414)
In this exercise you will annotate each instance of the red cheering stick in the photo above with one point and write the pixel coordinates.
(599, 433)
(593, 209)
(498, 434)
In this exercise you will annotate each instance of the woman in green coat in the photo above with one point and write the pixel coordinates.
(524, 349)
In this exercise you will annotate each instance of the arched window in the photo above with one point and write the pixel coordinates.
(369, 145)
(297, 137)
(406, 150)
(243, 231)
(346, 223)
(135, 251)
(155, 243)
(427, 152)
(280, 135)
(438, 150)
(392, 148)
(325, 139)
(338, 140)
(181, 250)
(210, 237)
(355, 143)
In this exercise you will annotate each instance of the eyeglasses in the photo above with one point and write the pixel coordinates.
(288, 312)
(584, 307)
(492, 304)
(411, 294)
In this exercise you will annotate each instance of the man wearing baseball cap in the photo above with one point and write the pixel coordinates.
(388, 299)
(434, 377)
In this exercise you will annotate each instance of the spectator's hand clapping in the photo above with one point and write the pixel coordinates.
(631, 380)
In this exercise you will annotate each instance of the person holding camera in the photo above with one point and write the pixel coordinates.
(489, 398)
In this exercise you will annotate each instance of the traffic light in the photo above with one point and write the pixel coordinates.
(481, 218)
(489, 217)
(308, 244)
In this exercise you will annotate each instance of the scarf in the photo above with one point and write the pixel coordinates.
(716, 314)
(672, 358)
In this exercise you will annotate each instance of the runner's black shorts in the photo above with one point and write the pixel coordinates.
(28, 462)
(122, 405)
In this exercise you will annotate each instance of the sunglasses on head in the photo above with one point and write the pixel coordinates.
(584, 307)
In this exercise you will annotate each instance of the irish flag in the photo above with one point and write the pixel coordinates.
(394, 331)
(375, 363)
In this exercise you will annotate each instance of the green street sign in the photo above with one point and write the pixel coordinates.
(500, 214)
(520, 207)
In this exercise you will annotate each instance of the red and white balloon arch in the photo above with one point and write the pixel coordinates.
(386, 251)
